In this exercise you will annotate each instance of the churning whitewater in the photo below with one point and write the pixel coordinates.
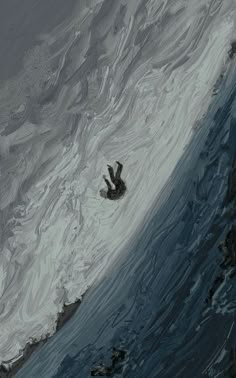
(122, 80)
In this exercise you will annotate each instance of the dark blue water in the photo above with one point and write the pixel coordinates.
(152, 303)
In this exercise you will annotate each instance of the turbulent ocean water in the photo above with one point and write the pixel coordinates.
(151, 84)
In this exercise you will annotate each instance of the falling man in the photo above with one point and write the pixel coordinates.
(119, 185)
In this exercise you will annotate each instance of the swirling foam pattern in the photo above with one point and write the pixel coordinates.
(116, 80)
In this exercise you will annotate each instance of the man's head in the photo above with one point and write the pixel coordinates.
(103, 193)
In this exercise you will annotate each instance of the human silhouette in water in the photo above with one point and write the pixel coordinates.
(120, 187)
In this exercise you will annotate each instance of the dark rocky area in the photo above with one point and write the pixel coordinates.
(228, 250)
(228, 247)
(101, 370)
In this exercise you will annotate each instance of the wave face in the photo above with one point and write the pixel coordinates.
(152, 302)
(130, 81)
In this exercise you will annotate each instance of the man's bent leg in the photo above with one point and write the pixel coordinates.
(119, 170)
(111, 173)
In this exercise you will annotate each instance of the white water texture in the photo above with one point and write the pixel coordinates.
(122, 80)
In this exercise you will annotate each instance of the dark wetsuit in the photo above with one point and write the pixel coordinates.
(120, 187)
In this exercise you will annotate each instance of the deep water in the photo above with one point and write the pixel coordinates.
(153, 301)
